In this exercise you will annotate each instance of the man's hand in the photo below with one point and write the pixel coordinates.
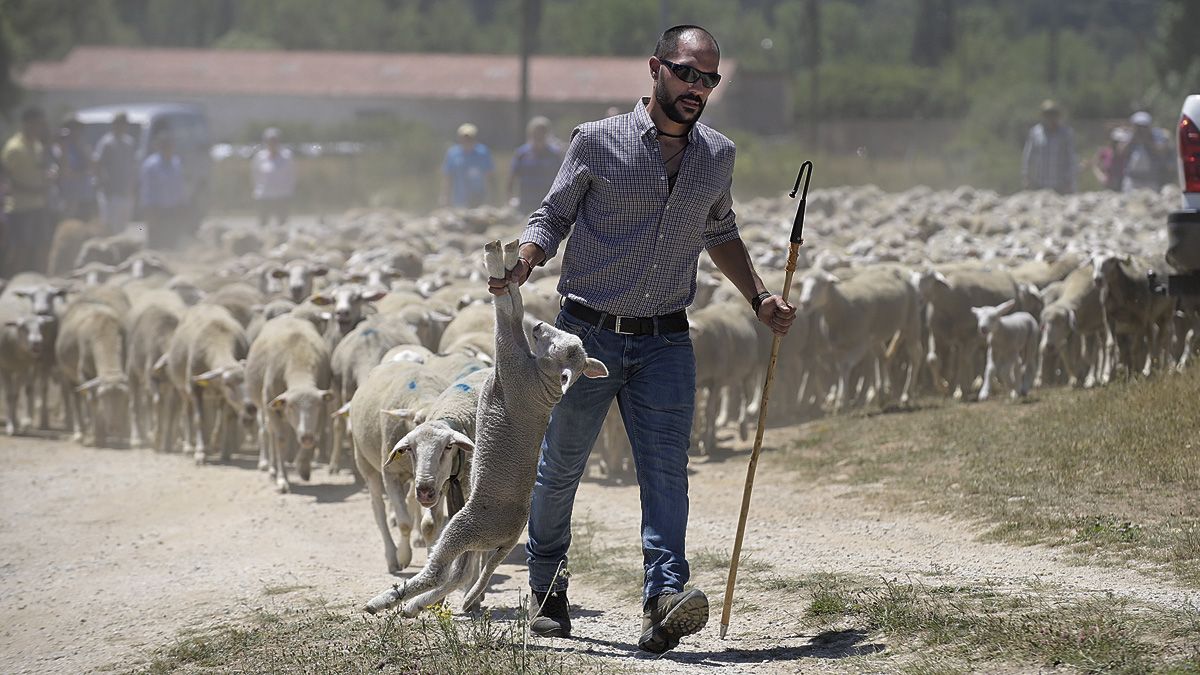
(519, 273)
(776, 314)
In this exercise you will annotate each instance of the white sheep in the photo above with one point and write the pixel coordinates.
(1012, 348)
(514, 410)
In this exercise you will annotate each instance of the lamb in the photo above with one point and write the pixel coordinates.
(1073, 330)
(440, 447)
(1012, 348)
(514, 410)
(728, 363)
(287, 377)
(41, 294)
(390, 387)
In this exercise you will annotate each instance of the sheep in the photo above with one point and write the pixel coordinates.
(209, 347)
(41, 293)
(1073, 330)
(349, 302)
(151, 326)
(287, 377)
(300, 275)
(69, 238)
(1138, 322)
(1012, 348)
(111, 250)
(353, 358)
(90, 351)
(863, 316)
(440, 447)
(514, 410)
(376, 429)
(728, 362)
(239, 298)
(23, 339)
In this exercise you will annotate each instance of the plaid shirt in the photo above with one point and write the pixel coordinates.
(636, 241)
(1048, 162)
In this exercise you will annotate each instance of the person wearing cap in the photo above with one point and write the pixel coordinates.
(466, 170)
(641, 195)
(1145, 156)
(29, 226)
(1048, 161)
(534, 166)
(273, 174)
(115, 166)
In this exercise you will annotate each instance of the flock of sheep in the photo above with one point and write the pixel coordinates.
(367, 339)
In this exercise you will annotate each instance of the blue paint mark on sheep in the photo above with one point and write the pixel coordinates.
(462, 386)
(368, 332)
(412, 384)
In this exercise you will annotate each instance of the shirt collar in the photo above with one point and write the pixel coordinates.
(645, 125)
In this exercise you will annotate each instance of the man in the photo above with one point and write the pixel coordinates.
(73, 158)
(466, 170)
(645, 192)
(164, 194)
(274, 176)
(534, 166)
(1145, 156)
(116, 169)
(1048, 162)
(30, 226)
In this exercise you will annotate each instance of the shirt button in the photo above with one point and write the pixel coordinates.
(662, 177)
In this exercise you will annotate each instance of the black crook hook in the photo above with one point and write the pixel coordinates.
(798, 225)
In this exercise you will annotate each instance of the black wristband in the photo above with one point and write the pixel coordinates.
(757, 300)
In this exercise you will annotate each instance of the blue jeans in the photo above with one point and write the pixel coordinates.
(654, 380)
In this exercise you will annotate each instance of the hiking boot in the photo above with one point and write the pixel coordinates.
(554, 617)
(671, 616)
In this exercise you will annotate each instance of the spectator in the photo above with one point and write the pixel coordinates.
(1145, 155)
(29, 226)
(116, 168)
(534, 166)
(163, 194)
(466, 170)
(1048, 162)
(74, 160)
(274, 174)
(1108, 166)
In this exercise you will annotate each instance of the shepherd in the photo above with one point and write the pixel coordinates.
(645, 191)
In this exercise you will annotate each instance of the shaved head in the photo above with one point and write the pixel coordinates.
(668, 44)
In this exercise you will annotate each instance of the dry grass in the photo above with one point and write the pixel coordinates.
(1110, 473)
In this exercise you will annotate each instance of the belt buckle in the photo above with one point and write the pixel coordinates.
(617, 327)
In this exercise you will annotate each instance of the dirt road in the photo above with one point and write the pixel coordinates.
(108, 554)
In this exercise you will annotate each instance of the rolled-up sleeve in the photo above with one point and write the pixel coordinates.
(552, 221)
(722, 222)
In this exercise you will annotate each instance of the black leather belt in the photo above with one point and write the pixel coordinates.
(629, 325)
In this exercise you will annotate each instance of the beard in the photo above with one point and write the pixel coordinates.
(671, 107)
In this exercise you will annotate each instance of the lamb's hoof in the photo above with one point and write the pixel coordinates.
(282, 487)
(385, 600)
(263, 465)
(198, 456)
(305, 472)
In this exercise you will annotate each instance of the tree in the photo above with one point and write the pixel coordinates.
(935, 36)
(1177, 54)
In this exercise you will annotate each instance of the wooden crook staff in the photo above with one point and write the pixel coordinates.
(794, 244)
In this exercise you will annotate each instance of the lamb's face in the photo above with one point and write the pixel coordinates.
(304, 409)
(434, 449)
(562, 359)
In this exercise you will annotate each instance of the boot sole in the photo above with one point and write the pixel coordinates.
(554, 631)
(686, 618)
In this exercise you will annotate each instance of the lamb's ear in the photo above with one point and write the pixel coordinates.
(1071, 321)
(277, 273)
(402, 446)
(594, 368)
(320, 299)
(462, 441)
(160, 365)
(89, 385)
(205, 379)
(278, 402)
(343, 411)
(400, 413)
(1006, 307)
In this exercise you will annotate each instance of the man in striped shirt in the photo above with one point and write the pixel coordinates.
(645, 193)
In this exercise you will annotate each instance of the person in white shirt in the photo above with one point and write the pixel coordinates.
(115, 164)
(274, 176)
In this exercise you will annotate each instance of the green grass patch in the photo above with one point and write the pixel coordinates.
(325, 641)
(1109, 472)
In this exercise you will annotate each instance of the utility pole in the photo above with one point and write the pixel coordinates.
(531, 15)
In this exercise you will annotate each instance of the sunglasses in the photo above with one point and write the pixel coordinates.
(689, 74)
